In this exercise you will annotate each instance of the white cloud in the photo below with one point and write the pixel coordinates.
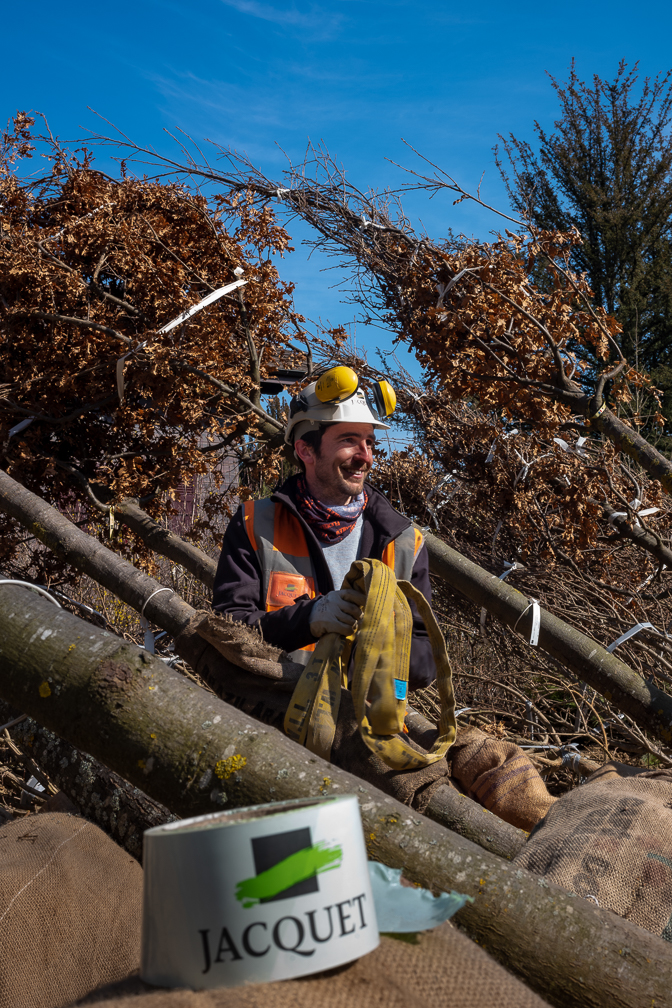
(313, 19)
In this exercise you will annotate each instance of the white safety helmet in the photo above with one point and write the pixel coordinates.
(337, 398)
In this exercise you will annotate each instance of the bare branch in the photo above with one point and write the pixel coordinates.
(49, 317)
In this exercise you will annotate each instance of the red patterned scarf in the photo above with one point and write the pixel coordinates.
(330, 524)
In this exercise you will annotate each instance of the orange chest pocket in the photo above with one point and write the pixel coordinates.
(284, 589)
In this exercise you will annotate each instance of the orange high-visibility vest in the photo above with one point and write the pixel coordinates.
(287, 572)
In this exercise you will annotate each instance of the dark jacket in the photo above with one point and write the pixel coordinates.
(238, 591)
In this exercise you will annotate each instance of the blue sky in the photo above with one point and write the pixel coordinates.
(268, 75)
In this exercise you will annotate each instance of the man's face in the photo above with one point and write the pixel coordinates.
(345, 458)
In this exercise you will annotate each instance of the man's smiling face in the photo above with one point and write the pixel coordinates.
(345, 457)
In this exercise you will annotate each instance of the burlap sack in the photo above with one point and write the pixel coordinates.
(442, 968)
(500, 777)
(70, 911)
(610, 841)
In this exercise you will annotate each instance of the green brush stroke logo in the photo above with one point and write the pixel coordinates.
(304, 864)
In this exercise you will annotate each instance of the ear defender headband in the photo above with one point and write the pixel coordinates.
(298, 404)
(336, 397)
(341, 383)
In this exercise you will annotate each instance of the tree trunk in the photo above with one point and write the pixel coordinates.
(102, 796)
(166, 543)
(617, 682)
(628, 441)
(470, 820)
(195, 754)
(593, 664)
(88, 555)
(647, 541)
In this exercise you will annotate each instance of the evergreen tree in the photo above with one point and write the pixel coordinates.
(606, 169)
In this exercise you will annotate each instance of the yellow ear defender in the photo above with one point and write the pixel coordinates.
(341, 383)
(384, 398)
(337, 384)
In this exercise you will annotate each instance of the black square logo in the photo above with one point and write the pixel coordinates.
(270, 850)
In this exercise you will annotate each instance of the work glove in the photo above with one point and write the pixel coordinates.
(336, 612)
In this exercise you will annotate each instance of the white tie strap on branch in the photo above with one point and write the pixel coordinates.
(511, 567)
(210, 299)
(638, 514)
(630, 633)
(144, 622)
(645, 582)
(536, 621)
(571, 756)
(491, 453)
(522, 475)
(147, 601)
(576, 449)
(444, 288)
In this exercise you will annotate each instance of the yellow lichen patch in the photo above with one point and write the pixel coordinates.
(45, 690)
(326, 782)
(71, 648)
(225, 767)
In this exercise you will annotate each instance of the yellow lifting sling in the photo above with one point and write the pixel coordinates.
(380, 674)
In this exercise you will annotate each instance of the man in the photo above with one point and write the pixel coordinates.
(283, 559)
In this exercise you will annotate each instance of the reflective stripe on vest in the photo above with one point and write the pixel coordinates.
(287, 572)
(399, 555)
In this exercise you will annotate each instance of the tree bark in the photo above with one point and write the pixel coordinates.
(102, 796)
(628, 441)
(449, 808)
(649, 706)
(647, 541)
(88, 555)
(195, 754)
(166, 543)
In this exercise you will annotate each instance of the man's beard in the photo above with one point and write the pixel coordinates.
(333, 479)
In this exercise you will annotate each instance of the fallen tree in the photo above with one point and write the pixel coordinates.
(149, 316)
(171, 613)
(473, 313)
(194, 753)
(119, 433)
(644, 702)
(160, 605)
(649, 706)
(99, 794)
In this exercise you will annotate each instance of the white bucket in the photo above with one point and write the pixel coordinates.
(256, 894)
